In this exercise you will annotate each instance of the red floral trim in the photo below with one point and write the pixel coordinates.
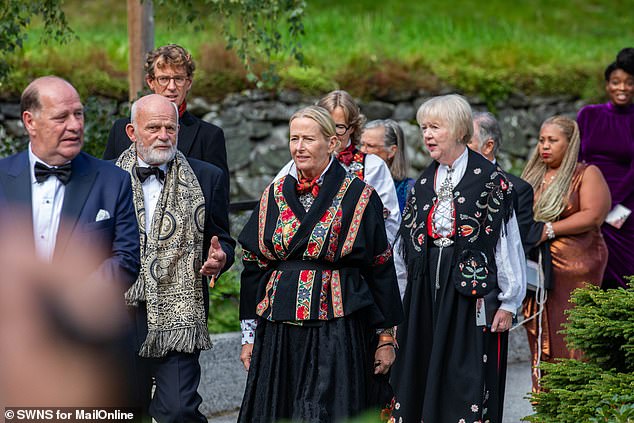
(383, 257)
(323, 294)
(335, 291)
(304, 294)
(269, 297)
(264, 205)
(356, 220)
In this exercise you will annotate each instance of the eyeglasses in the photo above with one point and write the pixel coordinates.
(341, 129)
(164, 81)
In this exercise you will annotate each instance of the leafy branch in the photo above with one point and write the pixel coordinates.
(250, 27)
(16, 17)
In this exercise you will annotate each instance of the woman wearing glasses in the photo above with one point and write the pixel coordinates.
(369, 168)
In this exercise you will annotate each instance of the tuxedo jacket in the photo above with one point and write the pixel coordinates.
(96, 188)
(530, 231)
(196, 139)
(213, 185)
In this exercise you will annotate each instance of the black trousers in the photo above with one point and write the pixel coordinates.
(175, 377)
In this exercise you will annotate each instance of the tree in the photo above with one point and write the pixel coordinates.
(600, 388)
(15, 18)
(249, 26)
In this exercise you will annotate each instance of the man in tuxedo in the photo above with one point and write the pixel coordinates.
(68, 196)
(184, 228)
(486, 140)
(169, 72)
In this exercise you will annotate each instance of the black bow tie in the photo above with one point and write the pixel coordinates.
(144, 172)
(42, 172)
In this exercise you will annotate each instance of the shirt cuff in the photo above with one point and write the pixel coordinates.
(248, 330)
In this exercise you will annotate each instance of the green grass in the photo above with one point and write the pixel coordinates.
(371, 48)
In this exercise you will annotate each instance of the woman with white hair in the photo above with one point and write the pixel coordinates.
(385, 138)
(466, 277)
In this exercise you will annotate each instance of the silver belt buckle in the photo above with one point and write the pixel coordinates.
(443, 242)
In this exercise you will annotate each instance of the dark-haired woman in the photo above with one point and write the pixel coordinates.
(607, 141)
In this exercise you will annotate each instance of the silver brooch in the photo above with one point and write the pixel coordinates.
(354, 166)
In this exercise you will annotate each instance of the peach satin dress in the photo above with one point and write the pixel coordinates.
(576, 260)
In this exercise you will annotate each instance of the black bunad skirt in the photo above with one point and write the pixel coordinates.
(447, 369)
(313, 373)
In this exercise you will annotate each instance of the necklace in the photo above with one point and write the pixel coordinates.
(549, 181)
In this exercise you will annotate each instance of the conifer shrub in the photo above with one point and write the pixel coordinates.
(600, 388)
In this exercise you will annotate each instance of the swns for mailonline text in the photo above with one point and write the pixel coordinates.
(70, 414)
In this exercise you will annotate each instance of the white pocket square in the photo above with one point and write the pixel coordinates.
(102, 215)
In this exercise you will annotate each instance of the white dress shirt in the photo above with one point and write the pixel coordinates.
(509, 253)
(46, 207)
(152, 188)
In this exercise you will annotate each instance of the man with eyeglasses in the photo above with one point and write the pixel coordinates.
(169, 72)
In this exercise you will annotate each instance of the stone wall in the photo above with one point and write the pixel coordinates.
(256, 129)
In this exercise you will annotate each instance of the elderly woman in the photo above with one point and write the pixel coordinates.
(385, 138)
(319, 278)
(607, 141)
(572, 199)
(466, 277)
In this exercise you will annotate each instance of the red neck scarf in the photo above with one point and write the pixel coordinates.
(307, 185)
(347, 154)
(182, 108)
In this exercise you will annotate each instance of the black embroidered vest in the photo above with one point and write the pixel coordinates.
(483, 201)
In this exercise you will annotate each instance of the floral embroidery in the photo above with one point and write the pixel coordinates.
(462, 421)
(330, 218)
(423, 181)
(359, 209)
(267, 301)
(477, 170)
(489, 204)
(426, 207)
(264, 202)
(249, 256)
(304, 294)
(466, 230)
(357, 165)
(383, 257)
(461, 200)
(335, 291)
(323, 294)
(474, 408)
(484, 358)
(287, 223)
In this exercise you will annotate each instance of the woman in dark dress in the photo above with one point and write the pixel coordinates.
(318, 281)
(466, 278)
(607, 141)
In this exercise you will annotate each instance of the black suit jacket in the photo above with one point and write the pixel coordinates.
(95, 185)
(530, 231)
(213, 184)
(196, 139)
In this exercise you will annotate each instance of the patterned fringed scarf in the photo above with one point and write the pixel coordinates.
(171, 255)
